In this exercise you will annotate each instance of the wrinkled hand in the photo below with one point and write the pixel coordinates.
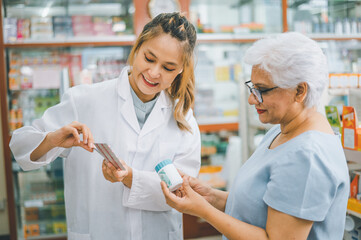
(112, 174)
(69, 136)
(186, 200)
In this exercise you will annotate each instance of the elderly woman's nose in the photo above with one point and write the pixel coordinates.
(252, 99)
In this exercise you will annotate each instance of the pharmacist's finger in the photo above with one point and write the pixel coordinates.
(109, 170)
(105, 173)
(66, 132)
(123, 163)
(91, 141)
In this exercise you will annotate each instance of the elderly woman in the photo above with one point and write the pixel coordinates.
(296, 183)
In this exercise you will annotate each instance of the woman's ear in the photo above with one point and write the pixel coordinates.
(301, 92)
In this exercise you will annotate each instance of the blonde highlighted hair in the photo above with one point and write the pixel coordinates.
(182, 89)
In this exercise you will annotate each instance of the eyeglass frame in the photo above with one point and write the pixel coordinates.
(254, 91)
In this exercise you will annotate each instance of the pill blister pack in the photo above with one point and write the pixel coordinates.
(106, 152)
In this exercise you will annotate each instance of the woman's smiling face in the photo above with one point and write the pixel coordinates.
(156, 65)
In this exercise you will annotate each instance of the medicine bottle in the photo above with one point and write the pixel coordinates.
(169, 174)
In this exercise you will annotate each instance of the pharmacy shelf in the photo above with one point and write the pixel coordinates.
(353, 213)
(259, 125)
(353, 156)
(229, 37)
(215, 124)
(251, 37)
(337, 37)
(216, 120)
(338, 91)
(48, 237)
(218, 127)
(125, 40)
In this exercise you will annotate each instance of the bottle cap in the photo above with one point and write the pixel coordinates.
(162, 164)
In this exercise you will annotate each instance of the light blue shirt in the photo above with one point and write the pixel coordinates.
(306, 177)
(142, 110)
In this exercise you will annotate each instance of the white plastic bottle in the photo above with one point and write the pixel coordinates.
(169, 174)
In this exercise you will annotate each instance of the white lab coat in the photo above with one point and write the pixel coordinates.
(96, 208)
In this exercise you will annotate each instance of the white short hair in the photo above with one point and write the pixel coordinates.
(291, 58)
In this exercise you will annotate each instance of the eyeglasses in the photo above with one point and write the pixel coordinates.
(256, 92)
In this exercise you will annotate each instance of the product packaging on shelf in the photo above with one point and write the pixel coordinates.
(344, 80)
(333, 118)
(349, 128)
(10, 30)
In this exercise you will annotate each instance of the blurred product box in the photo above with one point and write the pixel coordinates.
(31, 213)
(62, 26)
(44, 213)
(58, 212)
(23, 29)
(212, 176)
(350, 128)
(81, 19)
(354, 205)
(118, 25)
(222, 73)
(333, 119)
(14, 79)
(82, 25)
(358, 135)
(342, 80)
(355, 184)
(59, 227)
(41, 27)
(10, 30)
(103, 26)
(31, 230)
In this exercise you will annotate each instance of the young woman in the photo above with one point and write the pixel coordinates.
(145, 116)
(296, 183)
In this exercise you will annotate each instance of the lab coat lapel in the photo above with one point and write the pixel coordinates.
(125, 100)
(157, 116)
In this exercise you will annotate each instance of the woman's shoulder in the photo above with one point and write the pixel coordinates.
(315, 148)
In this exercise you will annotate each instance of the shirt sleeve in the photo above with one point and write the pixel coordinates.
(146, 192)
(301, 185)
(26, 139)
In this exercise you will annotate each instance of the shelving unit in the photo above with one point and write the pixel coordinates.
(353, 156)
(353, 213)
(126, 40)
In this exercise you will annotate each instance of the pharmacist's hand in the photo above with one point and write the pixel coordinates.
(69, 136)
(186, 200)
(200, 187)
(114, 175)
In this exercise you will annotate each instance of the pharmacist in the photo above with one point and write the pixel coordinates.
(145, 116)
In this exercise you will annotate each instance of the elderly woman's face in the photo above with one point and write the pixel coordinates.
(277, 105)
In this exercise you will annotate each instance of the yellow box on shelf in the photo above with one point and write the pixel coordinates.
(354, 205)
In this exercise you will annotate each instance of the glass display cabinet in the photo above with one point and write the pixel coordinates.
(50, 46)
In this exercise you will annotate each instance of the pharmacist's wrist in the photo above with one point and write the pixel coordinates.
(128, 180)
